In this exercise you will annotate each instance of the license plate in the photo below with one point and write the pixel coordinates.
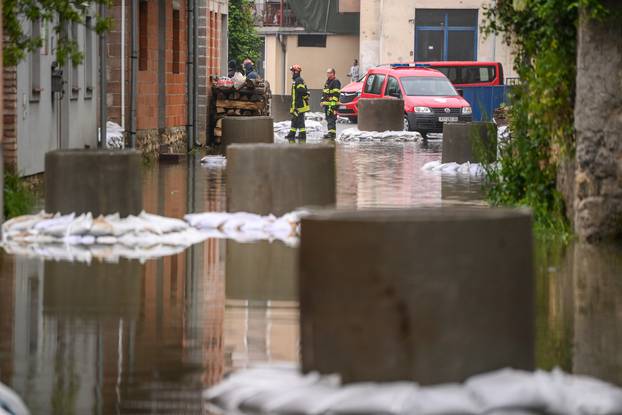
(342, 107)
(448, 119)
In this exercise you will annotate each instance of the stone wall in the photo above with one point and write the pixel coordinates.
(149, 141)
(598, 123)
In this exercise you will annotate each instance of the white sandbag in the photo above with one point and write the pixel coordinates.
(507, 388)
(449, 399)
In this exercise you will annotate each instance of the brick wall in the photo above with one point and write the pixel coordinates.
(147, 98)
(9, 116)
(202, 79)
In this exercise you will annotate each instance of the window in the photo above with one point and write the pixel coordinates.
(446, 35)
(428, 86)
(374, 84)
(393, 88)
(142, 35)
(88, 57)
(75, 85)
(311, 41)
(176, 41)
(468, 74)
(35, 64)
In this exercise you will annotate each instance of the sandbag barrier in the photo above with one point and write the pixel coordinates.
(283, 389)
(354, 134)
(83, 238)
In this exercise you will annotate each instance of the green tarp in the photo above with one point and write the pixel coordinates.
(322, 16)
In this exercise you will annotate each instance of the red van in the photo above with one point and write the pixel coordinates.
(430, 100)
(348, 100)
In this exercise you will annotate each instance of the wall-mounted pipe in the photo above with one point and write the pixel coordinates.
(190, 71)
(123, 64)
(103, 104)
(133, 73)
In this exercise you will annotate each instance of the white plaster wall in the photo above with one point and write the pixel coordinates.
(339, 53)
(393, 22)
(37, 121)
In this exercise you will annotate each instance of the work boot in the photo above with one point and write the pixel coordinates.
(291, 137)
(302, 137)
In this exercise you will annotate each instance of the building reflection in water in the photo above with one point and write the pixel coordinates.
(579, 311)
(262, 309)
(119, 338)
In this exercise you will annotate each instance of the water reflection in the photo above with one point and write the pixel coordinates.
(579, 310)
(132, 338)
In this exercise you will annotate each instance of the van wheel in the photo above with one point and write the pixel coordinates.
(406, 124)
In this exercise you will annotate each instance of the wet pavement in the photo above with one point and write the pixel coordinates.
(133, 338)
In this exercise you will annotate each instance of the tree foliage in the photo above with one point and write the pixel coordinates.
(543, 35)
(60, 14)
(244, 42)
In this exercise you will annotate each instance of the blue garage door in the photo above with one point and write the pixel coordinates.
(445, 35)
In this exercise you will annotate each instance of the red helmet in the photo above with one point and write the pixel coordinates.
(296, 68)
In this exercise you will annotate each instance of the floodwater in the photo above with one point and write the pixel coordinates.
(133, 338)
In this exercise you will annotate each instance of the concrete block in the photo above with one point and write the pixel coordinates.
(430, 295)
(383, 114)
(246, 130)
(469, 141)
(278, 178)
(261, 271)
(97, 181)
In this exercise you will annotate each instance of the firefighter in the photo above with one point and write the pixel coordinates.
(330, 100)
(300, 105)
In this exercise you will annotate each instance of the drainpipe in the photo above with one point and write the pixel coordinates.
(283, 44)
(195, 75)
(103, 109)
(134, 73)
(190, 77)
(123, 64)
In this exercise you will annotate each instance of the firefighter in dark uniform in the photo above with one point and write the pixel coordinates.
(300, 105)
(330, 100)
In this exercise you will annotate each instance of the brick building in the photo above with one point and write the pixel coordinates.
(162, 102)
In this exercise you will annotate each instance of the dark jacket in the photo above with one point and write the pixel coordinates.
(330, 93)
(250, 71)
(300, 96)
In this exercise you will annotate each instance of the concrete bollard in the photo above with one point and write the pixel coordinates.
(383, 114)
(430, 295)
(245, 130)
(261, 271)
(278, 178)
(97, 181)
(469, 141)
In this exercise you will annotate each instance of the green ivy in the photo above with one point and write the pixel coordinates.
(59, 13)
(18, 198)
(244, 42)
(543, 36)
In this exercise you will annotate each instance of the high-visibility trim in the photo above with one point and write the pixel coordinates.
(303, 130)
(301, 86)
(303, 109)
(335, 91)
(332, 131)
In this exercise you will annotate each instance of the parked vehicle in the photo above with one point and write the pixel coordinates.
(430, 100)
(348, 100)
(481, 83)
(469, 73)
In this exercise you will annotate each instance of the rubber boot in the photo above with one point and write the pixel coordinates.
(291, 137)
(302, 137)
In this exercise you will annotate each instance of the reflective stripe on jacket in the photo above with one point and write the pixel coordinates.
(330, 93)
(300, 96)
